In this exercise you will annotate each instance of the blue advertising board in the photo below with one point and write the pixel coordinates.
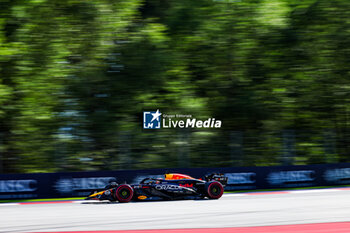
(78, 184)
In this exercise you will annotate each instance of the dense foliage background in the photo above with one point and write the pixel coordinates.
(76, 75)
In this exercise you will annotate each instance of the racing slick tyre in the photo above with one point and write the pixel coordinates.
(214, 189)
(124, 193)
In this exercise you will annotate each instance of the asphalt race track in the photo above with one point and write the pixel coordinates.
(232, 210)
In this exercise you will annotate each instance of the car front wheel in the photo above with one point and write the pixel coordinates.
(124, 193)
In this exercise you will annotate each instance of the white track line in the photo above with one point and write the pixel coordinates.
(315, 191)
(8, 204)
(88, 201)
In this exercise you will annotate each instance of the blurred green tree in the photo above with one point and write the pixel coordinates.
(76, 75)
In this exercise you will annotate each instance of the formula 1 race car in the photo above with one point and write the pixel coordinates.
(172, 187)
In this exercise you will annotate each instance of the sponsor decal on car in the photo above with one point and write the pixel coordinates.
(167, 187)
(186, 185)
(141, 197)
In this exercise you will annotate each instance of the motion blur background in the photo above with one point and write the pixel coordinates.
(75, 77)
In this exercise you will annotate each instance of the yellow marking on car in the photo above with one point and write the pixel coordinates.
(95, 194)
(142, 197)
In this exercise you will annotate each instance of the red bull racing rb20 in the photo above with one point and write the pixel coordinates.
(173, 186)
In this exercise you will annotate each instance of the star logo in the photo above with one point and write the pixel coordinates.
(156, 115)
(151, 120)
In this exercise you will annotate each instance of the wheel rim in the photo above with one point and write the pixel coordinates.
(215, 190)
(124, 193)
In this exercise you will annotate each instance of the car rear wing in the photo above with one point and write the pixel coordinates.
(217, 177)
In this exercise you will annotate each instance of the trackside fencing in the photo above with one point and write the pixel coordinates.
(78, 184)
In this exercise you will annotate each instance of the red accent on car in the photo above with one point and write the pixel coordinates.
(186, 185)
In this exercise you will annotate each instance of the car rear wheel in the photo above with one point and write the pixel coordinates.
(124, 193)
(214, 190)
